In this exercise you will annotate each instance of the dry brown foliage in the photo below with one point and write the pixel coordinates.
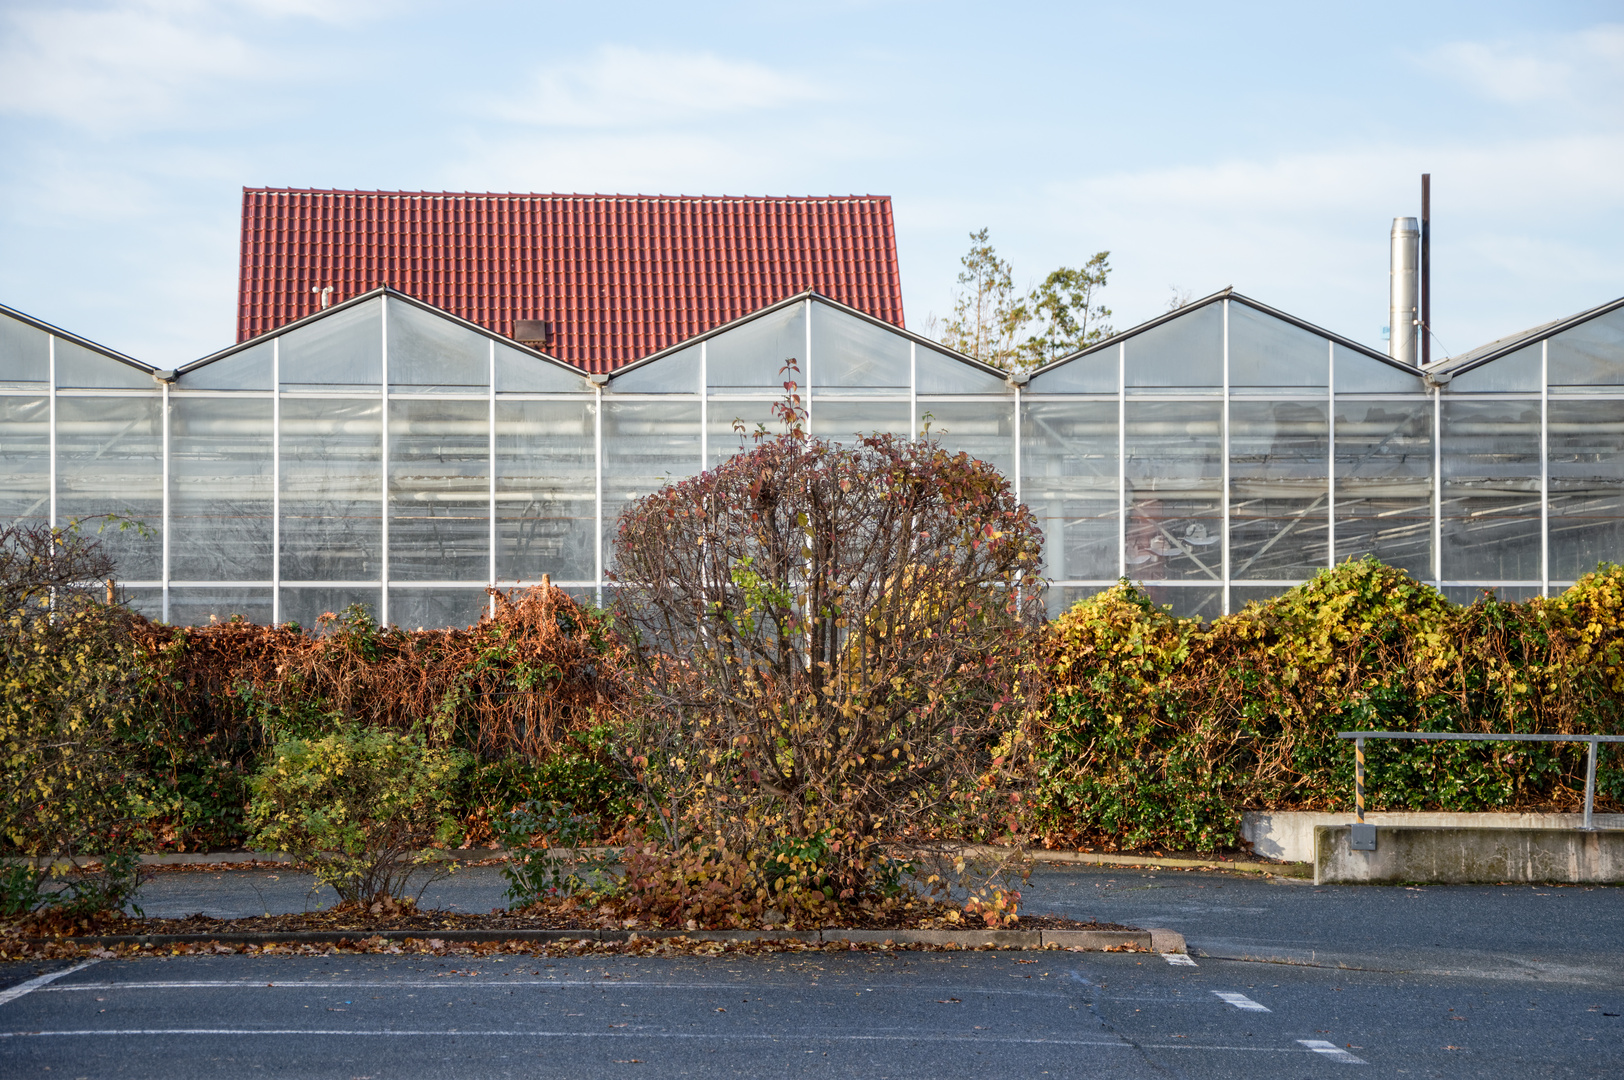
(517, 681)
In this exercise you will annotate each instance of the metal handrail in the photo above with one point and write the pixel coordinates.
(1359, 738)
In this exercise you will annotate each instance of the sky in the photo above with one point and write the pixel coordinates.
(1263, 146)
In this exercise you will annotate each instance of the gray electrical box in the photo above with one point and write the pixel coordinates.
(1362, 837)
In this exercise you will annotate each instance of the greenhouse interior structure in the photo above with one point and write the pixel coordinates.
(387, 453)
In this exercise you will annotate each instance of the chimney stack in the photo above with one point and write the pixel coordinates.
(1404, 307)
(533, 332)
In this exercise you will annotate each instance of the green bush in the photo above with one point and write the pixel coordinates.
(580, 772)
(544, 840)
(1160, 730)
(363, 807)
(67, 695)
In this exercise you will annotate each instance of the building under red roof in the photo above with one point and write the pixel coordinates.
(597, 280)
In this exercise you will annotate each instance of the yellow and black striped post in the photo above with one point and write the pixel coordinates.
(1359, 779)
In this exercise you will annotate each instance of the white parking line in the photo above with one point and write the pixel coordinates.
(911, 1037)
(1178, 959)
(1332, 1051)
(34, 984)
(1241, 1001)
(467, 983)
(817, 1036)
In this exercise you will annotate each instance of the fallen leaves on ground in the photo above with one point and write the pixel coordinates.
(14, 948)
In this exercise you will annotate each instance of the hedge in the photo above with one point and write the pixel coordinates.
(1161, 730)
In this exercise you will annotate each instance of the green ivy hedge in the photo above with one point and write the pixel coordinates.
(1161, 730)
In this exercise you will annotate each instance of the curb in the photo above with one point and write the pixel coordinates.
(1164, 941)
(1089, 858)
(1085, 858)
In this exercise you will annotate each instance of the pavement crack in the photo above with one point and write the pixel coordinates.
(1090, 993)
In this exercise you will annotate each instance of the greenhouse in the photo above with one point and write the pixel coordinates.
(384, 452)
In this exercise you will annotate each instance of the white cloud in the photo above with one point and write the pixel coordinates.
(1482, 177)
(128, 65)
(818, 154)
(1585, 67)
(111, 67)
(627, 87)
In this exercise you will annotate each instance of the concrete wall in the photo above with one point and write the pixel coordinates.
(1289, 835)
(1481, 855)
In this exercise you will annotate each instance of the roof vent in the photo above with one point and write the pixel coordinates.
(533, 332)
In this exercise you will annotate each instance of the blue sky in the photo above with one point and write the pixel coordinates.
(1267, 146)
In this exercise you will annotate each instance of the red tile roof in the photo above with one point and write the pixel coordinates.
(617, 276)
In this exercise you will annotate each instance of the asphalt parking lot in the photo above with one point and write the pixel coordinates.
(1284, 981)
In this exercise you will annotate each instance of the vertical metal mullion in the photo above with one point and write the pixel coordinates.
(1437, 486)
(276, 480)
(1223, 434)
(597, 454)
(1017, 434)
(913, 391)
(383, 463)
(1330, 453)
(164, 410)
(1122, 459)
(51, 422)
(491, 474)
(1545, 472)
(704, 406)
(808, 398)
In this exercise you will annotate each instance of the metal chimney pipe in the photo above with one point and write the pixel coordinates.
(1426, 269)
(1404, 307)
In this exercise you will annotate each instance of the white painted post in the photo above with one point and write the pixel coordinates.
(164, 418)
(276, 480)
(383, 466)
(1223, 434)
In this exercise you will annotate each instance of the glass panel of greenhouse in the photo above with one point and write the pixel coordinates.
(546, 490)
(222, 500)
(1383, 491)
(1490, 502)
(385, 454)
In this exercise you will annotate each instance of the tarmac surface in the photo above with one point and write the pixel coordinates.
(1285, 980)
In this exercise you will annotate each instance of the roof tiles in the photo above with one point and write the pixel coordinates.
(617, 276)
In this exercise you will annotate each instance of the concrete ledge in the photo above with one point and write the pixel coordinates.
(1457, 856)
(1167, 941)
(1092, 858)
(1099, 940)
(1089, 858)
(1289, 834)
(968, 939)
(808, 936)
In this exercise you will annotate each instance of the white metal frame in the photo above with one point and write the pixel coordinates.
(276, 479)
(1122, 459)
(1545, 467)
(165, 419)
(384, 464)
(50, 411)
(1330, 454)
(1223, 437)
(490, 470)
(1017, 398)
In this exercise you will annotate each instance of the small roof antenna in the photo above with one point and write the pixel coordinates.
(326, 294)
